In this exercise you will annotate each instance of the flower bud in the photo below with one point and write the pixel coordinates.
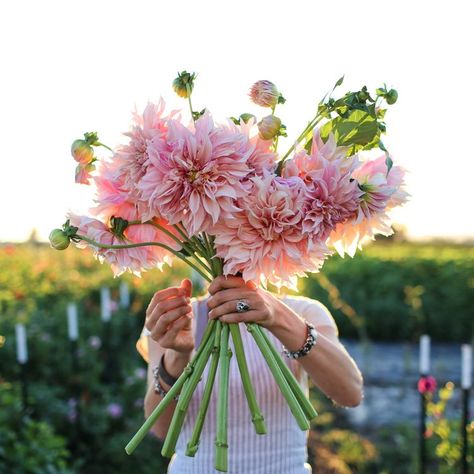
(83, 173)
(58, 239)
(246, 117)
(391, 97)
(269, 127)
(82, 152)
(184, 83)
(264, 93)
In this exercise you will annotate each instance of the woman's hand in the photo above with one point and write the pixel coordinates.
(227, 291)
(168, 318)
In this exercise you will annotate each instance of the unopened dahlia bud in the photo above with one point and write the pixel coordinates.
(184, 83)
(58, 239)
(83, 173)
(269, 127)
(391, 97)
(265, 94)
(82, 152)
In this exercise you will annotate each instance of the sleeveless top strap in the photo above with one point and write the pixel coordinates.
(201, 320)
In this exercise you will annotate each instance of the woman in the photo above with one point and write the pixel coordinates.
(174, 325)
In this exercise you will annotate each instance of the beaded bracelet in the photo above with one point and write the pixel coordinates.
(159, 390)
(307, 346)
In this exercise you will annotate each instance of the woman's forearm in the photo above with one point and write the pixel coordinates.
(328, 364)
(175, 364)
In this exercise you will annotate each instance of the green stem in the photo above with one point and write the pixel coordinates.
(187, 245)
(257, 417)
(105, 146)
(295, 407)
(158, 411)
(182, 233)
(174, 390)
(193, 444)
(308, 128)
(188, 89)
(221, 460)
(213, 260)
(306, 405)
(171, 439)
(144, 244)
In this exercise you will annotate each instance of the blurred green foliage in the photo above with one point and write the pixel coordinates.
(400, 291)
(83, 411)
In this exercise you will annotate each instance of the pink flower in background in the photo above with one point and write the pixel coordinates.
(380, 192)
(427, 384)
(95, 342)
(197, 179)
(115, 410)
(264, 241)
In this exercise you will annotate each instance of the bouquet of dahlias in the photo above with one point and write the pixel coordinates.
(221, 198)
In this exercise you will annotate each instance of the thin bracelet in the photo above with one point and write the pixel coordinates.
(159, 390)
(311, 337)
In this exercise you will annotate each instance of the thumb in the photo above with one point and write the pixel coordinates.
(187, 285)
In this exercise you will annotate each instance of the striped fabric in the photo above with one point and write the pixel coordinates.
(281, 451)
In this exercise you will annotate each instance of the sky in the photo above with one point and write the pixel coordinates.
(73, 67)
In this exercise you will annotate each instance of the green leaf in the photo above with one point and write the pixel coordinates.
(359, 128)
(339, 81)
(388, 162)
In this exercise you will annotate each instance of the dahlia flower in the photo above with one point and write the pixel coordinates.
(381, 190)
(195, 178)
(264, 93)
(136, 259)
(261, 158)
(132, 159)
(332, 196)
(264, 241)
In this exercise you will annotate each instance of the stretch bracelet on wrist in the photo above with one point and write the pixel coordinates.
(311, 336)
(163, 374)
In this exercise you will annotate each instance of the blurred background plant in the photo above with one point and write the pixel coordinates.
(79, 417)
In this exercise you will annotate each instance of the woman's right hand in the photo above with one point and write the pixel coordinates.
(168, 318)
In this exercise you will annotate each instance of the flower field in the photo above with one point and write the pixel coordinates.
(84, 399)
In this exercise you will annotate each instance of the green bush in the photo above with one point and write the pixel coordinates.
(379, 284)
(28, 446)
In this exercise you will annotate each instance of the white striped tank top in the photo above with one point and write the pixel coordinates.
(283, 450)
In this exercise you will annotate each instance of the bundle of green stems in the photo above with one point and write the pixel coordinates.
(214, 349)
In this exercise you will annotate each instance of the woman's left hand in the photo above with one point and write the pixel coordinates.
(226, 292)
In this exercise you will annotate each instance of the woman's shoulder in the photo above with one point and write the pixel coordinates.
(310, 309)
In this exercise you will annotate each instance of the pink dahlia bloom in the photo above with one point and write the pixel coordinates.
(112, 197)
(380, 193)
(134, 260)
(265, 241)
(332, 196)
(261, 158)
(132, 159)
(195, 178)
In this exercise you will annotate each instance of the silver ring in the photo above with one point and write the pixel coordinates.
(242, 306)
